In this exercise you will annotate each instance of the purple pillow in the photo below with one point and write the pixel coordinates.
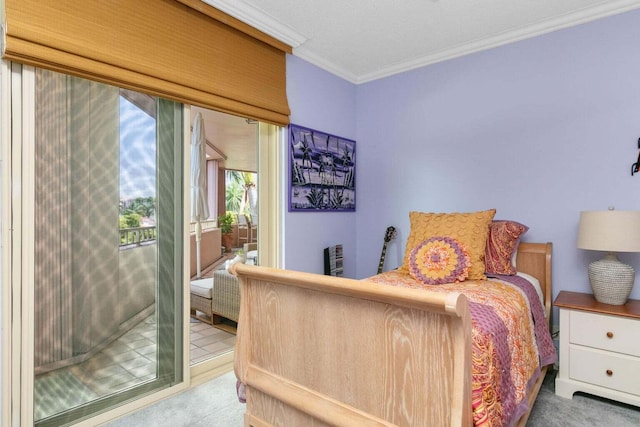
(439, 260)
(502, 244)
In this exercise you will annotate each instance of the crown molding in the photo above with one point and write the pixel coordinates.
(541, 28)
(263, 22)
(259, 20)
(331, 67)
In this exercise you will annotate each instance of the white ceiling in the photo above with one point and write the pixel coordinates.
(363, 40)
(230, 139)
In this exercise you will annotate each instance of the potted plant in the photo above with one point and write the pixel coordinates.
(225, 224)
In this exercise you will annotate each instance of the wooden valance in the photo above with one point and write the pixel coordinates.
(183, 50)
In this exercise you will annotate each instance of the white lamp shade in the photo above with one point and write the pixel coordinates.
(611, 231)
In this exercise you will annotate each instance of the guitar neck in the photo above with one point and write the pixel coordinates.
(382, 256)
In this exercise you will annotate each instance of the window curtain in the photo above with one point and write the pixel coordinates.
(77, 193)
(212, 188)
(53, 249)
(186, 51)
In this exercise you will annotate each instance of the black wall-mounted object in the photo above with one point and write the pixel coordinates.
(333, 261)
(634, 167)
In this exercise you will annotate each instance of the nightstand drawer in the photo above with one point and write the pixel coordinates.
(605, 332)
(614, 371)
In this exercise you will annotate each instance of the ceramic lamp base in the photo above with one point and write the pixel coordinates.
(611, 280)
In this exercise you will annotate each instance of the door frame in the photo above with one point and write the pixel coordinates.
(16, 207)
(270, 236)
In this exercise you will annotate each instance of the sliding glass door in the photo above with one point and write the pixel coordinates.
(103, 251)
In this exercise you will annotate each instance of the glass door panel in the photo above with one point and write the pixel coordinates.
(108, 246)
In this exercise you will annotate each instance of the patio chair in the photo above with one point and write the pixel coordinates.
(244, 230)
(253, 228)
(218, 298)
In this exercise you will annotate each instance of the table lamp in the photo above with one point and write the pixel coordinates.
(611, 231)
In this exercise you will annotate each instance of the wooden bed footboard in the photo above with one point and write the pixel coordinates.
(317, 350)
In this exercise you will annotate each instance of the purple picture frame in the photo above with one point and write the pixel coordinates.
(322, 171)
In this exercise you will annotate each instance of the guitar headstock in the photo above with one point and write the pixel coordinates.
(390, 234)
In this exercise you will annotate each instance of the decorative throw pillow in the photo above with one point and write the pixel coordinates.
(502, 245)
(471, 229)
(439, 260)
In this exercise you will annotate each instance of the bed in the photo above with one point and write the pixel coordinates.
(319, 350)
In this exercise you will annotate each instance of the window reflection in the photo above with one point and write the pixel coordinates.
(98, 286)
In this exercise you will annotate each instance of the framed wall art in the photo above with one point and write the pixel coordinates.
(322, 171)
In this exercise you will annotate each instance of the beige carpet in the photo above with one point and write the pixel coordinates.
(215, 404)
(583, 410)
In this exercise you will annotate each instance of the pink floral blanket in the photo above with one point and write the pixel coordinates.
(511, 342)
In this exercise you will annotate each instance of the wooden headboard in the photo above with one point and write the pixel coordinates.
(535, 259)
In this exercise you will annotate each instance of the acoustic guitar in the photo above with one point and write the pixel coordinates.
(389, 235)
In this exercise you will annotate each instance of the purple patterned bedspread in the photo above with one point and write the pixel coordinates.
(509, 345)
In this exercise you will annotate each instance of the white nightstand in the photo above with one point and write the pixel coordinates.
(599, 348)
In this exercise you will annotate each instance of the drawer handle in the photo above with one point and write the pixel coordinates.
(609, 372)
(609, 334)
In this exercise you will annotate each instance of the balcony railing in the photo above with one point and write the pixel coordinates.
(138, 236)
(206, 224)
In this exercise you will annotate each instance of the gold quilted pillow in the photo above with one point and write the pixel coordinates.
(471, 229)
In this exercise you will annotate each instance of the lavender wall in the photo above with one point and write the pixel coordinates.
(539, 130)
(321, 101)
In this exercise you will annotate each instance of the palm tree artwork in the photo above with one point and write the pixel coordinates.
(306, 154)
(322, 171)
(347, 161)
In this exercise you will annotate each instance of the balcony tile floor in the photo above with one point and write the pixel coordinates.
(128, 361)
